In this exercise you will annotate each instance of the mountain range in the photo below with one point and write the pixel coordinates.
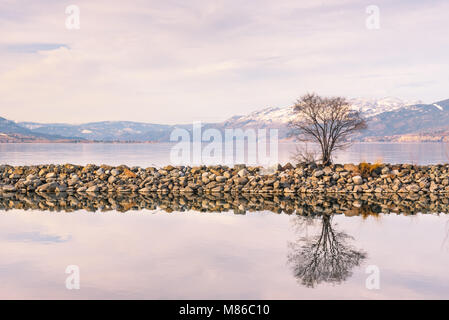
(389, 119)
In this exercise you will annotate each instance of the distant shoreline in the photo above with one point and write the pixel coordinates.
(282, 141)
(77, 142)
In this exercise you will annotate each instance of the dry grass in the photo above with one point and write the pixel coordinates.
(305, 155)
(366, 169)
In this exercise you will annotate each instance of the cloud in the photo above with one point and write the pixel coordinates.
(35, 237)
(34, 47)
(172, 61)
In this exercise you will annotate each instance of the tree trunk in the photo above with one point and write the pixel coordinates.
(326, 158)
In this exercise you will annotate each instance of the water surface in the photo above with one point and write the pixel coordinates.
(159, 255)
(219, 247)
(158, 154)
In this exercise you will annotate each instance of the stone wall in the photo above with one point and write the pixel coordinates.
(301, 179)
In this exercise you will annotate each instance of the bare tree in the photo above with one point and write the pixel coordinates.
(327, 121)
(329, 257)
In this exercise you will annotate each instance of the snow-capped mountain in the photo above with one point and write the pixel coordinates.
(389, 119)
(417, 120)
(372, 107)
(283, 115)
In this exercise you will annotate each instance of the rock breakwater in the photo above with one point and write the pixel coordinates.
(240, 179)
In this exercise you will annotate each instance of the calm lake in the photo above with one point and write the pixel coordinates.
(222, 248)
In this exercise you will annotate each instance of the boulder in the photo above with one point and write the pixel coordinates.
(358, 180)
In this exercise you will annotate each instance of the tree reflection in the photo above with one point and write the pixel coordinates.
(328, 257)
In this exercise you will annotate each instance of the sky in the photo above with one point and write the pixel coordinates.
(178, 61)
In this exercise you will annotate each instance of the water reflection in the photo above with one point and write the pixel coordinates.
(305, 205)
(327, 257)
(138, 254)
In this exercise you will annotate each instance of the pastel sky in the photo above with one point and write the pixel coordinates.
(178, 61)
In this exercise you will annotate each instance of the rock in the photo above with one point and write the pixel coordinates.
(242, 173)
(31, 177)
(357, 204)
(50, 175)
(205, 180)
(318, 173)
(92, 189)
(413, 188)
(217, 189)
(9, 188)
(128, 173)
(47, 187)
(193, 186)
(357, 180)
(351, 167)
(61, 188)
(424, 184)
(242, 180)
(287, 166)
(220, 179)
(187, 189)
(304, 178)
